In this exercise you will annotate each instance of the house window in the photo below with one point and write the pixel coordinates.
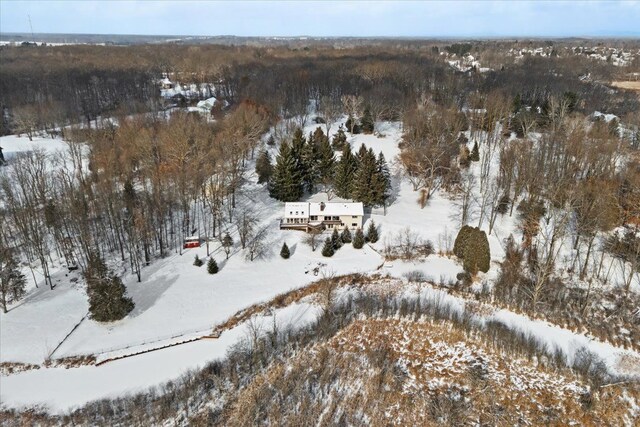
(290, 212)
(329, 225)
(342, 224)
(314, 217)
(353, 224)
(336, 218)
(354, 216)
(327, 218)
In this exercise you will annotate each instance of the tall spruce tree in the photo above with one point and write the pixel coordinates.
(366, 181)
(286, 180)
(366, 123)
(475, 153)
(384, 192)
(325, 162)
(264, 168)
(344, 173)
(107, 300)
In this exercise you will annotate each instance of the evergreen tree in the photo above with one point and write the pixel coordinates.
(475, 153)
(284, 252)
(271, 141)
(372, 232)
(327, 249)
(325, 161)
(358, 239)
(197, 261)
(107, 300)
(352, 125)
(339, 139)
(212, 266)
(385, 180)
(461, 240)
(286, 181)
(472, 246)
(366, 122)
(346, 235)
(366, 181)
(336, 241)
(12, 281)
(344, 173)
(264, 169)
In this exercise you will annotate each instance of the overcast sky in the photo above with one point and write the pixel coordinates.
(326, 18)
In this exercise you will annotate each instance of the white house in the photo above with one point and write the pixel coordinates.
(319, 216)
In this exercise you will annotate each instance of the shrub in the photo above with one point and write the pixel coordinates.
(284, 252)
(327, 249)
(212, 266)
(197, 261)
(358, 240)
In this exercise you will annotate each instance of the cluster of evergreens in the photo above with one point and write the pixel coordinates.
(303, 164)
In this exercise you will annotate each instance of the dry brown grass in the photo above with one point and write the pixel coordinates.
(383, 372)
(627, 85)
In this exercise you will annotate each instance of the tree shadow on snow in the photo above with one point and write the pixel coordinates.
(146, 294)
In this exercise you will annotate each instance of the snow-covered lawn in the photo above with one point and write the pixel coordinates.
(62, 389)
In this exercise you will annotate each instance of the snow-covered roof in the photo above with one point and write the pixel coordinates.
(336, 209)
(304, 209)
(207, 103)
(296, 210)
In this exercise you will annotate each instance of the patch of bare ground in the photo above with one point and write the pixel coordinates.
(628, 85)
(382, 372)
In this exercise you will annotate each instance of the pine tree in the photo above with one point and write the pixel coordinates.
(286, 181)
(264, 169)
(284, 252)
(325, 161)
(366, 122)
(212, 266)
(475, 153)
(372, 232)
(339, 139)
(336, 241)
(358, 239)
(197, 261)
(327, 249)
(352, 125)
(385, 181)
(344, 173)
(12, 281)
(107, 300)
(271, 141)
(346, 235)
(366, 180)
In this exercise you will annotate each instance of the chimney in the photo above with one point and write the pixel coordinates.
(321, 206)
